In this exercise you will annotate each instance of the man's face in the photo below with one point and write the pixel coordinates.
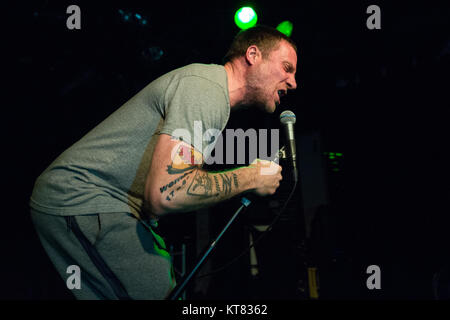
(271, 77)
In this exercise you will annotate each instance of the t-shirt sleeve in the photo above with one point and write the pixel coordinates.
(195, 111)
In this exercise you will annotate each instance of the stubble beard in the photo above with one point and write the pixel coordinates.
(256, 95)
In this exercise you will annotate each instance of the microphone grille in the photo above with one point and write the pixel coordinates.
(287, 117)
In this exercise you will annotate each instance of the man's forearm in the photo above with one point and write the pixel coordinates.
(198, 188)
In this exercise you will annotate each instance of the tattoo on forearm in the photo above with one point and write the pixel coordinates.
(170, 198)
(172, 183)
(226, 183)
(235, 180)
(201, 185)
(172, 170)
(186, 158)
(217, 183)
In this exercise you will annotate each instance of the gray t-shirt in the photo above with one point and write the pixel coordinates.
(105, 171)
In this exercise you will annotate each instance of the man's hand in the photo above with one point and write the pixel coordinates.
(267, 177)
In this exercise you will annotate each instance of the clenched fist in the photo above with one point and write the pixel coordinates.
(267, 175)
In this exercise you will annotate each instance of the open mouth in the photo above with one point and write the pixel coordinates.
(281, 93)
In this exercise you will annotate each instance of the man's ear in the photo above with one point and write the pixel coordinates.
(252, 55)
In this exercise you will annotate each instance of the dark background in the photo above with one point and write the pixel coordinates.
(378, 96)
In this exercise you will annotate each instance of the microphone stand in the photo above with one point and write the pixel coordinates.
(179, 288)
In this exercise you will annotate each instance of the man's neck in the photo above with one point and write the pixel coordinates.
(236, 83)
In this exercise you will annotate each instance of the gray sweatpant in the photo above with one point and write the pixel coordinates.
(135, 263)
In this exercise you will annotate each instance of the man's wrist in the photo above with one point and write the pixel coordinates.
(249, 177)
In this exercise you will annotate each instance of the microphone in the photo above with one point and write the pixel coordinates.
(287, 119)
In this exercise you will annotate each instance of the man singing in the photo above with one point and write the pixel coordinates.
(97, 205)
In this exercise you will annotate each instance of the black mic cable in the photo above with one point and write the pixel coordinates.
(279, 155)
(269, 228)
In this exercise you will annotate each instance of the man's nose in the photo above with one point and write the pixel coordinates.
(292, 84)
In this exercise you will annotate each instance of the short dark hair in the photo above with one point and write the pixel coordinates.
(264, 37)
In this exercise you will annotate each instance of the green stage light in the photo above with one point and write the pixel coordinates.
(245, 18)
(285, 27)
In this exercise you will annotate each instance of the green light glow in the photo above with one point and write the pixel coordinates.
(285, 27)
(161, 248)
(331, 153)
(339, 154)
(245, 18)
(332, 157)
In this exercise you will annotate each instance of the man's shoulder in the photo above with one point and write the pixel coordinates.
(201, 68)
(210, 72)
